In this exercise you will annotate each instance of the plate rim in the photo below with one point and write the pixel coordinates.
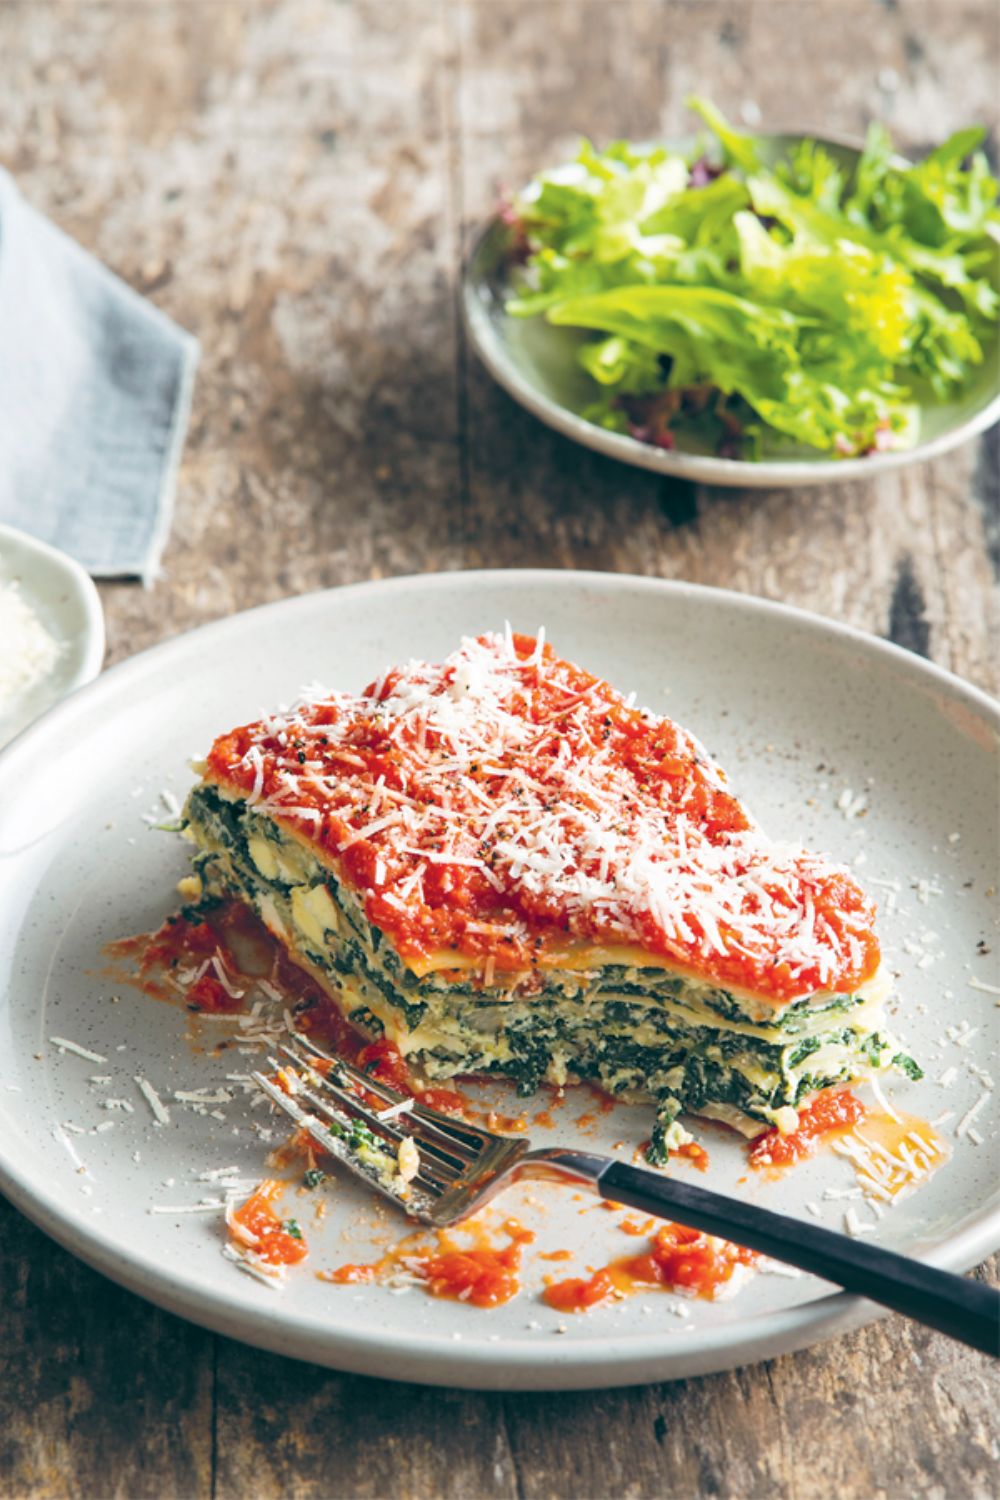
(475, 1363)
(730, 473)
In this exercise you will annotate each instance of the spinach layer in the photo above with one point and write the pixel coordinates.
(638, 1033)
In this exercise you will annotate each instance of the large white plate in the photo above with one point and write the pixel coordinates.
(537, 365)
(776, 694)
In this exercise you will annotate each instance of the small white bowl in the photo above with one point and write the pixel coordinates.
(68, 605)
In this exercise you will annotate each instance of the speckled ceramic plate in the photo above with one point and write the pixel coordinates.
(537, 365)
(64, 598)
(832, 737)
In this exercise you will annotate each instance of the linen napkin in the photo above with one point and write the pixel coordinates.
(95, 391)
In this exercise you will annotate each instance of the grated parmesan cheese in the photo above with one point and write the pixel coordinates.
(152, 1098)
(30, 650)
(65, 1045)
(972, 1114)
(856, 1226)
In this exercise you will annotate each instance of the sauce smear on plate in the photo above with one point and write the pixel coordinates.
(829, 1114)
(677, 1259)
(479, 1273)
(256, 1226)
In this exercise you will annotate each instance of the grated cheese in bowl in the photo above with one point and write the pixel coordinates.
(28, 650)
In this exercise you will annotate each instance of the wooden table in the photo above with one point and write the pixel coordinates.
(293, 181)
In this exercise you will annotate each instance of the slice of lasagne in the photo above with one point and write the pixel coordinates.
(502, 866)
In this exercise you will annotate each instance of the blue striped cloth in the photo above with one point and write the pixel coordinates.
(95, 391)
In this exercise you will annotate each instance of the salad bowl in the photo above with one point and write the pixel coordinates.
(537, 364)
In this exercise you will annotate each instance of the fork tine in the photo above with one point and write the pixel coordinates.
(457, 1137)
(458, 1163)
(343, 1096)
(451, 1155)
(373, 1084)
(416, 1198)
(317, 1127)
(438, 1168)
(392, 1137)
(447, 1168)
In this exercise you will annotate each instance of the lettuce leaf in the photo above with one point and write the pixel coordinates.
(802, 301)
(741, 348)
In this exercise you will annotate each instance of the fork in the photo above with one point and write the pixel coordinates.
(458, 1167)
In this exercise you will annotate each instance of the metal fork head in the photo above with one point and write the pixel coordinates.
(364, 1124)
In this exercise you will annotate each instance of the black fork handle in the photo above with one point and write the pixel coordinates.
(963, 1309)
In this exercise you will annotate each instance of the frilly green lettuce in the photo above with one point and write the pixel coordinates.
(762, 304)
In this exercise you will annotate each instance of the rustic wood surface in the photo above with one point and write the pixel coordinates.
(293, 181)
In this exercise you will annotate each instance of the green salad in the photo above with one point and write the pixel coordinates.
(753, 304)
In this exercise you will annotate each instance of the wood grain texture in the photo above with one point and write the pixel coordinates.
(294, 181)
(100, 1394)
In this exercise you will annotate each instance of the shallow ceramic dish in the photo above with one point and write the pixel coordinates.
(776, 694)
(536, 364)
(67, 603)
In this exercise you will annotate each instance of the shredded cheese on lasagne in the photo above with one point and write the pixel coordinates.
(507, 806)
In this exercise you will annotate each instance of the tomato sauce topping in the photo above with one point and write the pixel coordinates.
(832, 1113)
(509, 806)
(677, 1258)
